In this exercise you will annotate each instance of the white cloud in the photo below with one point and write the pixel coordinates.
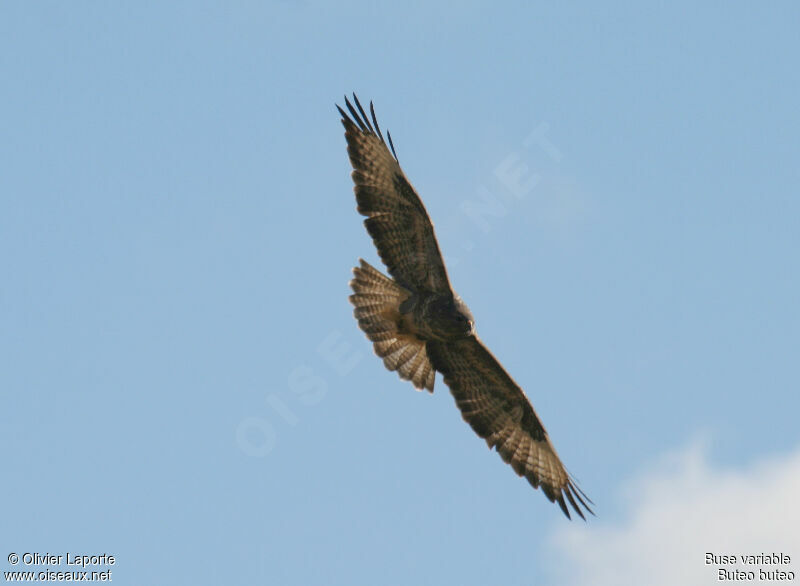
(681, 510)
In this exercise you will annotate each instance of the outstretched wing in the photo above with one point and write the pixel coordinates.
(499, 412)
(396, 219)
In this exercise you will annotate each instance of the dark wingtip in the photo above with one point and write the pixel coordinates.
(575, 506)
(375, 121)
(355, 117)
(579, 493)
(391, 144)
(563, 505)
(573, 492)
(346, 121)
(364, 116)
(358, 117)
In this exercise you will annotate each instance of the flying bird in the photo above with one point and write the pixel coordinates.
(419, 326)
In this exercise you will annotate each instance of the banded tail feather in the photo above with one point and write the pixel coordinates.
(419, 326)
(377, 301)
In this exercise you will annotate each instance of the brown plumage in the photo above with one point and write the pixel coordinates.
(418, 325)
(377, 299)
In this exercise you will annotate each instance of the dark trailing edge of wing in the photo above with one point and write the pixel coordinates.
(410, 221)
(360, 118)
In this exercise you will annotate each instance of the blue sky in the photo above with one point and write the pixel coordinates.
(184, 385)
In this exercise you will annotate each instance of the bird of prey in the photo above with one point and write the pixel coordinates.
(419, 326)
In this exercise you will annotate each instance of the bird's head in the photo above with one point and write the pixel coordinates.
(464, 316)
(450, 318)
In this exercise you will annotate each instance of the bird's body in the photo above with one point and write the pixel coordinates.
(440, 317)
(418, 324)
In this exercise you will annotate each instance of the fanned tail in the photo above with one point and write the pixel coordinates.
(377, 300)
